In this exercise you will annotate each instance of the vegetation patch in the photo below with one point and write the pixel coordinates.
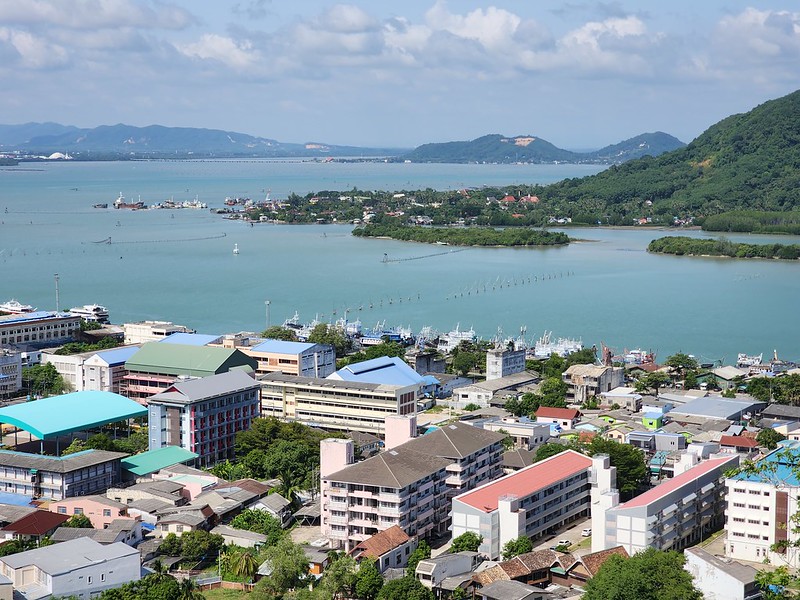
(682, 245)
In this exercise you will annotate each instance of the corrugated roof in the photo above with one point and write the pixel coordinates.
(155, 460)
(685, 478)
(549, 412)
(117, 356)
(194, 390)
(384, 369)
(190, 339)
(37, 315)
(60, 415)
(381, 543)
(453, 441)
(69, 556)
(717, 407)
(180, 359)
(36, 523)
(57, 464)
(526, 481)
(282, 347)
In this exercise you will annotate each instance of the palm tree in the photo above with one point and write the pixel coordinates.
(245, 565)
(189, 591)
(160, 570)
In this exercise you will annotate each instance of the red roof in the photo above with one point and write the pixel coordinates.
(738, 441)
(528, 480)
(670, 485)
(36, 523)
(557, 413)
(381, 543)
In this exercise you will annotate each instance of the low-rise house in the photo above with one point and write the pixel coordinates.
(278, 506)
(493, 391)
(82, 568)
(517, 459)
(148, 509)
(624, 397)
(738, 444)
(181, 522)
(432, 572)
(388, 548)
(526, 434)
(100, 510)
(240, 537)
(561, 418)
(127, 531)
(511, 590)
(577, 570)
(729, 377)
(34, 526)
(166, 491)
(720, 579)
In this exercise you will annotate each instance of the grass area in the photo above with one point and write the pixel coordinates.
(584, 544)
(436, 409)
(712, 538)
(221, 594)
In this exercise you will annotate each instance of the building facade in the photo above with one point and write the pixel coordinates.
(501, 362)
(204, 415)
(334, 404)
(10, 371)
(39, 329)
(304, 359)
(142, 332)
(531, 502)
(586, 381)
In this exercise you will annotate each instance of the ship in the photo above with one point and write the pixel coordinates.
(93, 313)
(545, 346)
(638, 357)
(120, 203)
(744, 361)
(450, 341)
(380, 333)
(14, 307)
(100, 205)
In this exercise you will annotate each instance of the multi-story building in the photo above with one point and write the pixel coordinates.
(409, 485)
(155, 367)
(531, 502)
(760, 507)
(101, 511)
(151, 331)
(10, 371)
(57, 477)
(39, 329)
(204, 415)
(334, 404)
(501, 362)
(80, 568)
(677, 513)
(91, 370)
(291, 358)
(586, 381)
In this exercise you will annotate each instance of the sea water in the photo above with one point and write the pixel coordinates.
(179, 265)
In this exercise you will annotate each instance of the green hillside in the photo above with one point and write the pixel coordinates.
(749, 161)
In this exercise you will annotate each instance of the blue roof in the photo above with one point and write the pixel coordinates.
(59, 415)
(386, 370)
(190, 339)
(430, 380)
(282, 347)
(118, 356)
(33, 316)
(778, 466)
(653, 415)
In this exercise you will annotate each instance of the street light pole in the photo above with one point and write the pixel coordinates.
(57, 302)
(266, 304)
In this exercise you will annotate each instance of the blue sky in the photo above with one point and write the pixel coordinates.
(578, 74)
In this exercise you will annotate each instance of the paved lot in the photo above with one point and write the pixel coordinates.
(571, 533)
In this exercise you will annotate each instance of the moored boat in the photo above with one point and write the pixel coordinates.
(15, 308)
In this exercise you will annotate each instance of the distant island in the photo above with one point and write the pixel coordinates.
(681, 245)
(472, 236)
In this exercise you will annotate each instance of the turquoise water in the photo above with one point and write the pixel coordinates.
(607, 289)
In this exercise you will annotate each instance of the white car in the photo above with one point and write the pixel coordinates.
(564, 543)
(586, 532)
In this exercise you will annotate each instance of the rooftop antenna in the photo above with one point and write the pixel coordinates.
(57, 299)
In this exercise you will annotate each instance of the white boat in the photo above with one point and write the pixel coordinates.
(638, 357)
(744, 361)
(15, 308)
(236, 248)
(545, 346)
(91, 312)
(450, 341)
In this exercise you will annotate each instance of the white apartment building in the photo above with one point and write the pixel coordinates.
(760, 507)
(10, 371)
(334, 404)
(80, 568)
(40, 328)
(526, 434)
(530, 502)
(409, 485)
(677, 513)
(291, 358)
(100, 371)
(501, 362)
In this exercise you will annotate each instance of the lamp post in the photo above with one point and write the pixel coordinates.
(266, 304)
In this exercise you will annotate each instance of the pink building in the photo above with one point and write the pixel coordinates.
(100, 510)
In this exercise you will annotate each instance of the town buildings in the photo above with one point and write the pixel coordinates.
(103, 370)
(142, 332)
(204, 415)
(291, 358)
(335, 404)
(388, 548)
(530, 502)
(586, 381)
(10, 371)
(39, 329)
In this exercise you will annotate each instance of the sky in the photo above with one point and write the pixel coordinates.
(402, 73)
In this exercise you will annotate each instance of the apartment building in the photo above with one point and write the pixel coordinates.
(409, 485)
(760, 507)
(335, 404)
(586, 381)
(101, 371)
(101, 511)
(204, 415)
(530, 502)
(39, 329)
(10, 371)
(291, 358)
(502, 362)
(675, 514)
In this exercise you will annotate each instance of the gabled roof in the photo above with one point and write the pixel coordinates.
(595, 560)
(196, 390)
(69, 556)
(381, 543)
(384, 369)
(393, 469)
(180, 359)
(36, 523)
(58, 464)
(548, 412)
(454, 441)
(738, 441)
(116, 356)
(282, 347)
(152, 461)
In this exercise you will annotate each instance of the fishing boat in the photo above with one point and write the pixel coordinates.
(743, 361)
(236, 248)
(100, 205)
(545, 346)
(93, 313)
(450, 341)
(120, 203)
(14, 307)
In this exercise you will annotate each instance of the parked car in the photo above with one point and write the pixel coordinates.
(564, 543)
(586, 532)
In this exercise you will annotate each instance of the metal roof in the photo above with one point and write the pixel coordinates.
(190, 339)
(59, 415)
(282, 347)
(69, 556)
(155, 460)
(57, 464)
(393, 371)
(38, 315)
(195, 390)
(181, 359)
(117, 356)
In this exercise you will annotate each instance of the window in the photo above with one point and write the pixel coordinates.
(106, 512)
(89, 579)
(62, 510)
(77, 511)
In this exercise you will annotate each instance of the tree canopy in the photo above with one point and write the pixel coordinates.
(515, 547)
(405, 588)
(468, 541)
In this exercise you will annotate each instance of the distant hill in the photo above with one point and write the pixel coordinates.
(746, 161)
(525, 148)
(157, 140)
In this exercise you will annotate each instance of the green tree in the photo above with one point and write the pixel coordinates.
(368, 580)
(464, 362)
(331, 335)
(468, 541)
(76, 445)
(769, 438)
(277, 332)
(421, 552)
(653, 381)
(630, 462)
(259, 521)
(690, 380)
(508, 441)
(289, 567)
(339, 580)
(471, 406)
(547, 450)
(405, 588)
(43, 380)
(188, 590)
(100, 441)
(199, 544)
(518, 546)
(244, 564)
(774, 584)
(648, 575)
(170, 545)
(682, 363)
(712, 383)
(78, 522)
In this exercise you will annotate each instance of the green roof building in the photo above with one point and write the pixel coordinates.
(157, 366)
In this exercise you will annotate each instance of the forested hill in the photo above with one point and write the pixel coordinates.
(496, 148)
(749, 161)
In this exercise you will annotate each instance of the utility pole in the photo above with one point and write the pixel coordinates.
(57, 301)
(266, 304)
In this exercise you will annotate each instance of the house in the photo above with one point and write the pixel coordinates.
(511, 590)
(624, 397)
(33, 526)
(532, 502)
(677, 513)
(203, 415)
(587, 381)
(151, 331)
(166, 491)
(576, 571)
(81, 568)
(738, 444)
(433, 572)
(240, 537)
(388, 548)
(517, 459)
(100, 510)
(181, 521)
(494, 391)
(561, 418)
(127, 531)
(526, 434)
(276, 505)
(729, 377)
(720, 579)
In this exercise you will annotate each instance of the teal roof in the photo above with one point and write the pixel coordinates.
(155, 460)
(59, 415)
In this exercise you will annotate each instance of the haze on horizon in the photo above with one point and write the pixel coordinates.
(578, 74)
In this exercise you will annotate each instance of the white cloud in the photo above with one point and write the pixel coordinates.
(492, 27)
(758, 35)
(238, 55)
(94, 14)
(34, 52)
